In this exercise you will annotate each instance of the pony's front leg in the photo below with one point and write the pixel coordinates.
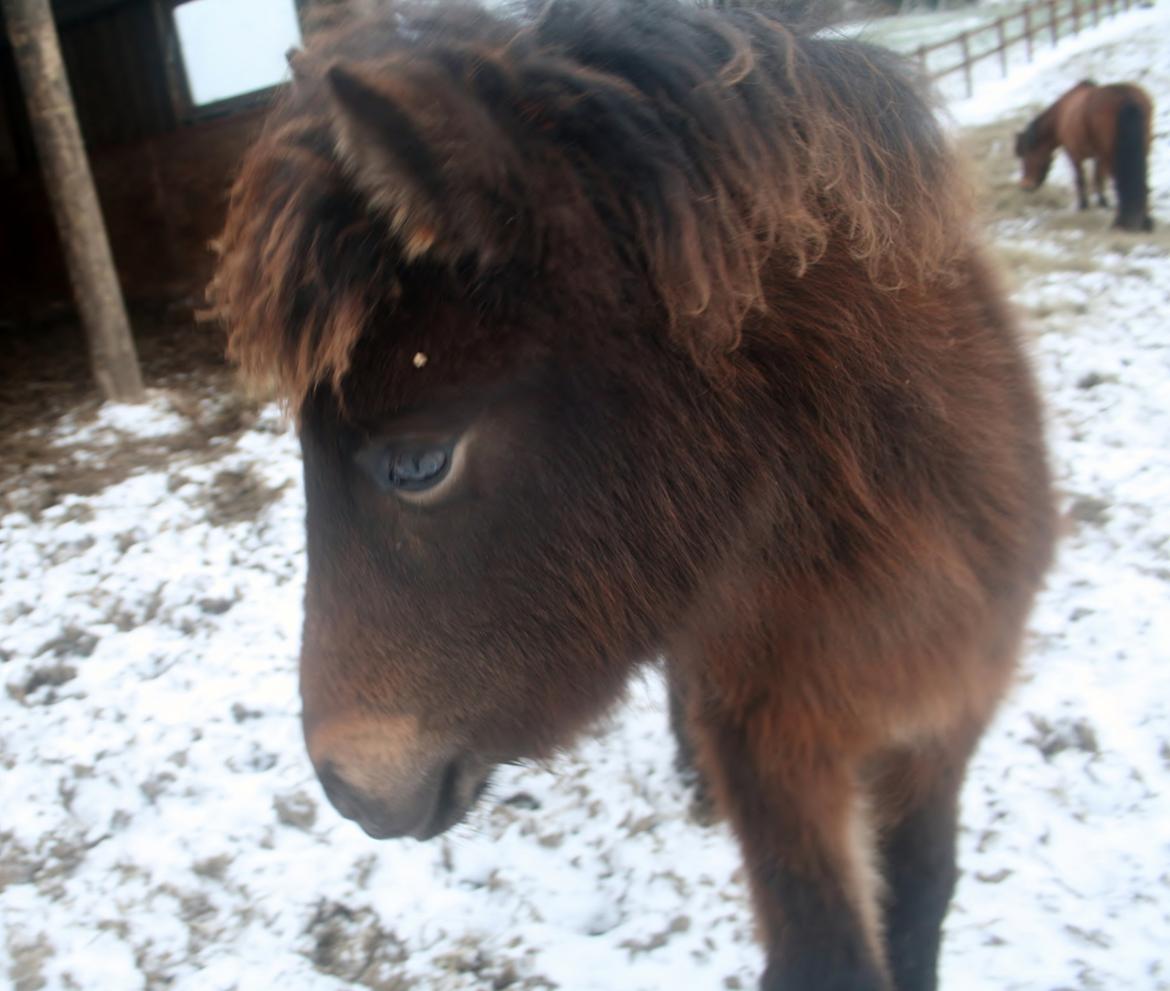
(916, 796)
(1082, 195)
(808, 848)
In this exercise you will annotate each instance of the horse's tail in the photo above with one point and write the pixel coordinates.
(1129, 167)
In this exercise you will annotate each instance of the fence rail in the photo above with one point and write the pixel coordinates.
(1042, 20)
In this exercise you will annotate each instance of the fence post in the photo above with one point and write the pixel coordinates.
(965, 41)
(1094, 6)
(1076, 16)
(1028, 31)
(922, 60)
(1052, 22)
(1001, 36)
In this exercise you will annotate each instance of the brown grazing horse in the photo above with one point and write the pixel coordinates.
(630, 330)
(1108, 124)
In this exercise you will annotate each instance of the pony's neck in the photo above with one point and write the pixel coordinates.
(1044, 127)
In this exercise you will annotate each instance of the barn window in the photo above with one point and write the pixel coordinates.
(231, 48)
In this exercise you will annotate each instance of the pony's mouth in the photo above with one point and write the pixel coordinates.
(459, 790)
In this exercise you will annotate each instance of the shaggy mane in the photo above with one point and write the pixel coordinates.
(704, 144)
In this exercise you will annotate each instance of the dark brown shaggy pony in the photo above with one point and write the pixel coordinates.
(1109, 125)
(632, 330)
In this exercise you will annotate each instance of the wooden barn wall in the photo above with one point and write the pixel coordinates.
(162, 183)
(163, 197)
(118, 75)
(117, 72)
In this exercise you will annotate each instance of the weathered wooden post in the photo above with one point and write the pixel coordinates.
(73, 197)
(1001, 42)
(1028, 32)
(1052, 22)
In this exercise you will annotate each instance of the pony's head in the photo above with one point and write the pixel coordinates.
(502, 268)
(1035, 153)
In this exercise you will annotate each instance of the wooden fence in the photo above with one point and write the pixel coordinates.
(1044, 21)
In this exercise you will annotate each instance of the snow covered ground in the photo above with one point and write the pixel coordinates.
(161, 827)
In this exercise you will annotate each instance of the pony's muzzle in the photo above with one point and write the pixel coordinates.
(384, 778)
(420, 812)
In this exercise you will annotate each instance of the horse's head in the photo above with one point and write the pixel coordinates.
(501, 275)
(1035, 155)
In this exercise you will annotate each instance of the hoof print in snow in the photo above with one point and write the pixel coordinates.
(216, 606)
(72, 642)
(1052, 737)
(214, 868)
(257, 760)
(1091, 510)
(351, 945)
(489, 973)
(241, 713)
(156, 785)
(27, 961)
(637, 947)
(50, 677)
(297, 810)
(522, 800)
(1094, 379)
(18, 864)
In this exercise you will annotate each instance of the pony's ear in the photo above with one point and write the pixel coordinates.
(390, 162)
(434, 166)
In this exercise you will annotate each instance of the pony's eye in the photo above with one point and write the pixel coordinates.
(415, 470)
(418, 470)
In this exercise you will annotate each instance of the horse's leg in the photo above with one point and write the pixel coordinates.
(917, 796)
(1082, 195)
(702, 805)
(1100, 174)
(801, 823)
